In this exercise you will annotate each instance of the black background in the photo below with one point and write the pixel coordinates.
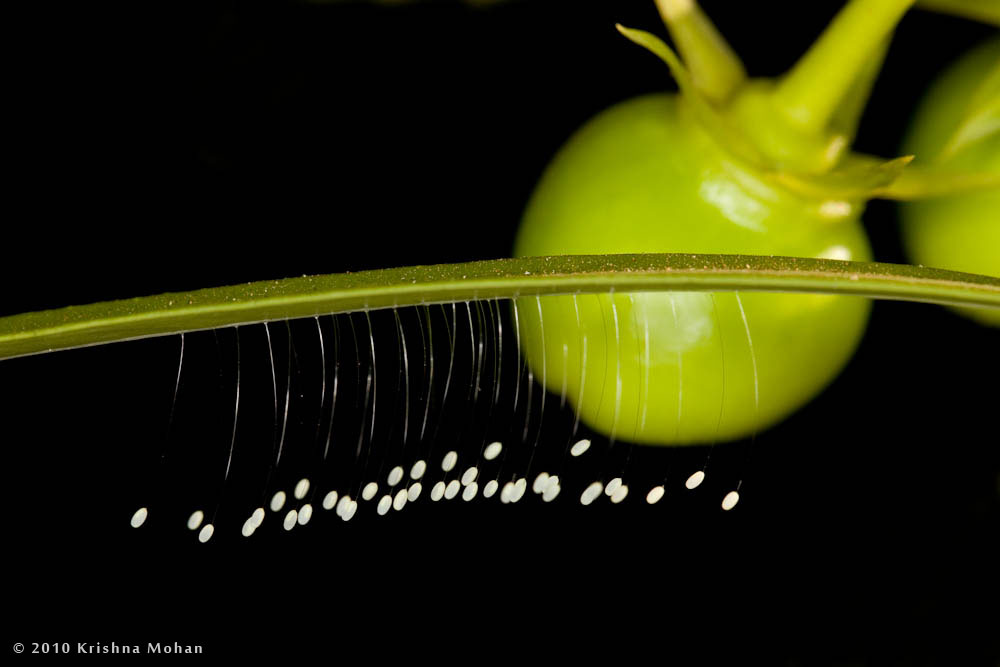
(163, 149)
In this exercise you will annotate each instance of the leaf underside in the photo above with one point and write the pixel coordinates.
(112, 321)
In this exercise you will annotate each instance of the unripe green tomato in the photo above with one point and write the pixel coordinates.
(959, 232)
(644, 176)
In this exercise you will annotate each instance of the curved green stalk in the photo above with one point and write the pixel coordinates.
(112, 321)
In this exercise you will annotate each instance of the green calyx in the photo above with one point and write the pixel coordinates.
(796, 131)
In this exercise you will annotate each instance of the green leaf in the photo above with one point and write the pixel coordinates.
(78, 326)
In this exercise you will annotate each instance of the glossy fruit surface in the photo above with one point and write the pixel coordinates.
(959, 232)
(680, 368)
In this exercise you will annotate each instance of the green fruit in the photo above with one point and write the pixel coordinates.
(961, 231)
(644, 177)
(730, 165)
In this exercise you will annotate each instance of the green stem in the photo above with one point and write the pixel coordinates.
(79, 326)
(715, 68)
(810, 94)
(847, 116)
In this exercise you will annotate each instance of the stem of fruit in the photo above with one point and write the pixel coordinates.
(812, 92)
(715, 68)
(847, 116)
